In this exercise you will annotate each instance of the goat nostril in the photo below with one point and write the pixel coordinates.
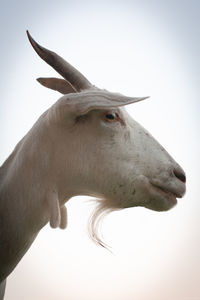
(180, 175)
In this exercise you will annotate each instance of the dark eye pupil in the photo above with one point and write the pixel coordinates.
(110, 116)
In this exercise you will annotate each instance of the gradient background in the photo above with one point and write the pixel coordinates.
(137, 48)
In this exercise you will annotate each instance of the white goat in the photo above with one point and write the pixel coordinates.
(85, 144)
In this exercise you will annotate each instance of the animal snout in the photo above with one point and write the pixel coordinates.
(179, 174)
(173, 182)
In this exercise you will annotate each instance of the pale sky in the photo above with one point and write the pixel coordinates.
(137, 48)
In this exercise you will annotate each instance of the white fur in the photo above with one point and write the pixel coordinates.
(65, 155)
(74, 150)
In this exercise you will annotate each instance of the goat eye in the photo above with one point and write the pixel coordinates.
(111, 117)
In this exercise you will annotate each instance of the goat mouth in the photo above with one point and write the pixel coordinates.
(165, 198)
(165, 191)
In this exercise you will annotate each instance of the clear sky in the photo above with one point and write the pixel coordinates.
(137, 48)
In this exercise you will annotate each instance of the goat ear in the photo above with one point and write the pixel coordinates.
(81, 103)
(57, 84)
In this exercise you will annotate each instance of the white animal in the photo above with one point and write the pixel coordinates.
(85, 144)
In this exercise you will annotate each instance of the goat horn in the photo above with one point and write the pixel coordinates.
(67, 71)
